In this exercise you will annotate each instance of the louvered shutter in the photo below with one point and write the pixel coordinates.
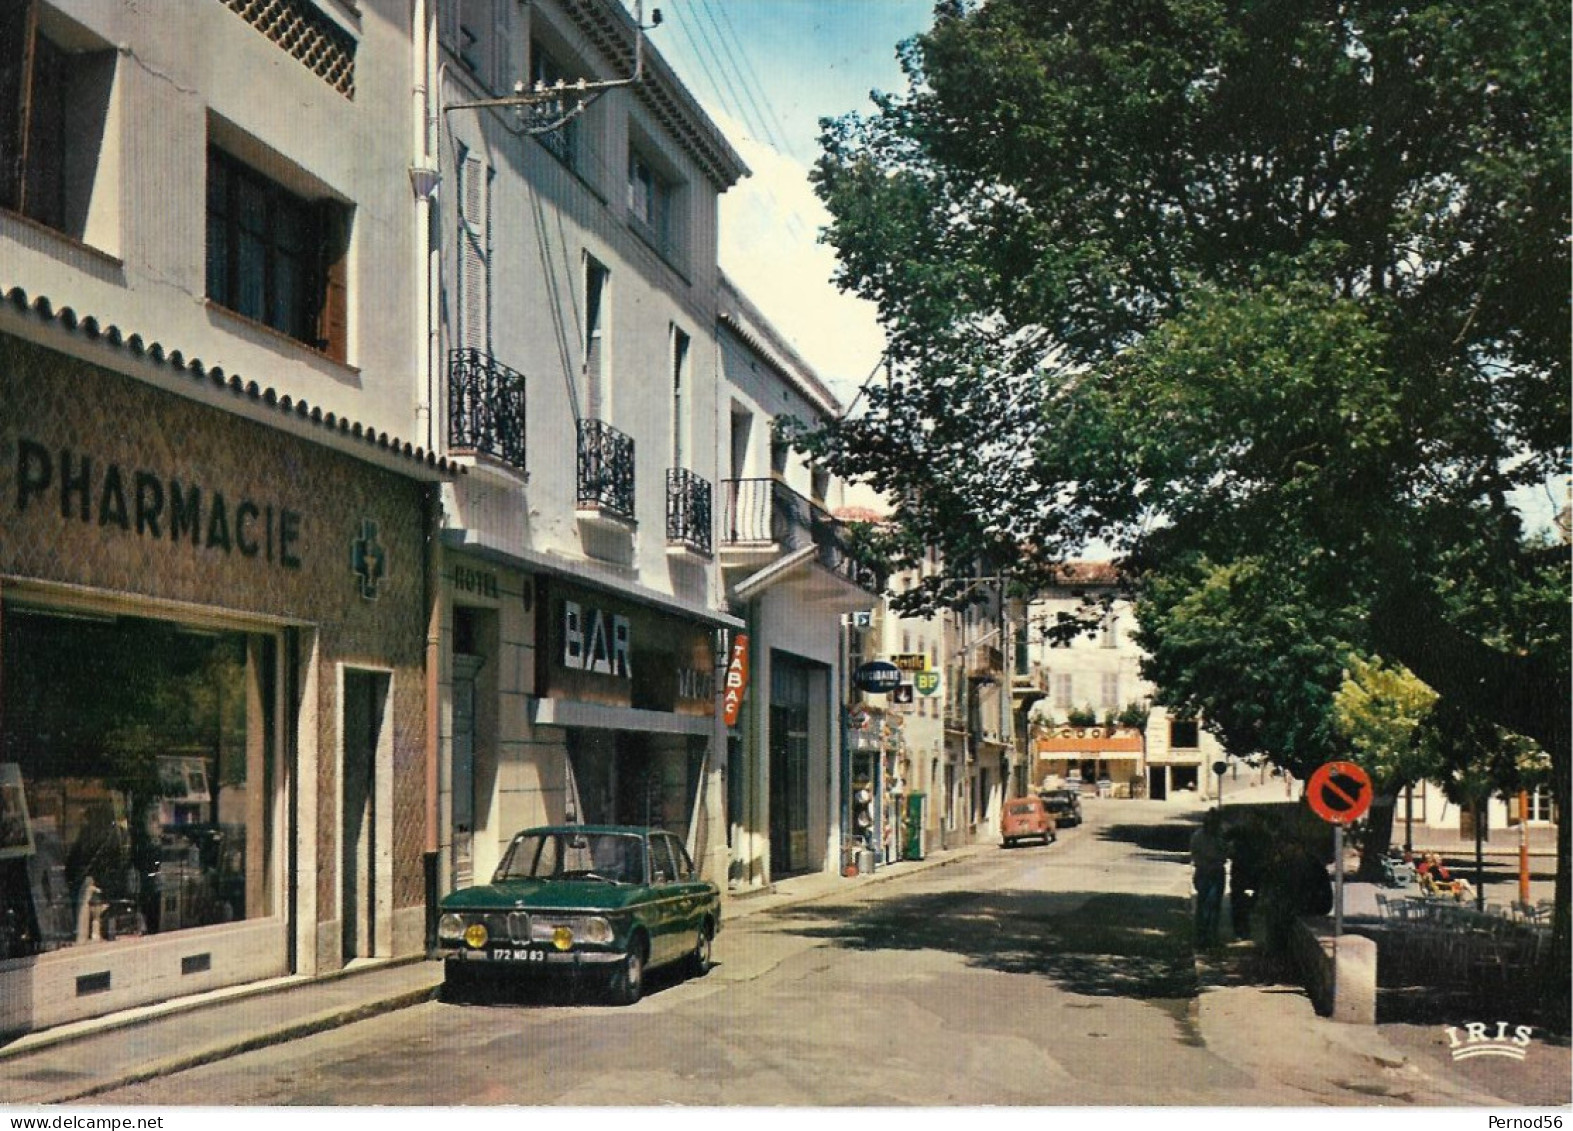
(474, 255)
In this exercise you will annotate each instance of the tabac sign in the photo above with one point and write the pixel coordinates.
(603, 648)
(736, 680)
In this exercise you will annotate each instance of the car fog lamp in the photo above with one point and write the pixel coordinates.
(562, 938)
(450, 926)
(475, 935)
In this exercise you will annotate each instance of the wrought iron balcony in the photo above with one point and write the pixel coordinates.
(688, 511)
(767, 512)
(485, 407)
(606, 470)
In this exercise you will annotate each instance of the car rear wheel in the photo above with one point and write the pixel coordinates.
(628, 978)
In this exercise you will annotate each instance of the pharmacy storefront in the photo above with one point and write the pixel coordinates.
(211, 697)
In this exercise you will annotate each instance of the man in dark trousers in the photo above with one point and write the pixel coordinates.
(1209, 859)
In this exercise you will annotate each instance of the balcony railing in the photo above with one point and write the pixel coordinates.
(606, 470)
(688, 511)
(767, 512)
(485, 407)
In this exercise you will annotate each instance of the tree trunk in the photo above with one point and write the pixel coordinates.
(1480, 858)
(1378, 838)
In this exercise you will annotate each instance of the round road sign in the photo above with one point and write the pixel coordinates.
(1339, 792)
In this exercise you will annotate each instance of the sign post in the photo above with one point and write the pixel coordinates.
(1339, 792)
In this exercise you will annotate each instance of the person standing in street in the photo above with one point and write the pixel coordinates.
(1209, 857)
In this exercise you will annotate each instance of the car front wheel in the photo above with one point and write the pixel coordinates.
(628, 979)
(699, 961)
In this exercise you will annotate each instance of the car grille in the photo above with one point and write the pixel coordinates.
(518, 927)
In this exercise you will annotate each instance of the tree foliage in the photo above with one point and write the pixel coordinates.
(1269, 297)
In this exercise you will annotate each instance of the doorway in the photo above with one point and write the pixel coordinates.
(365, 712)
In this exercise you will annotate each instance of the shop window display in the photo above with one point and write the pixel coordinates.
(135, 777)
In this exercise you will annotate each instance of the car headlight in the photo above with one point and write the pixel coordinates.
(450, 928)
(564, 933)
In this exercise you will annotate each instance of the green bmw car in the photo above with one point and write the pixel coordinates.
(616, 899)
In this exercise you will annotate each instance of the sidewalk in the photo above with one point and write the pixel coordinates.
(74, 1062)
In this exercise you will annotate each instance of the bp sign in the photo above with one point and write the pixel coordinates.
(877, 677)
(926, 683)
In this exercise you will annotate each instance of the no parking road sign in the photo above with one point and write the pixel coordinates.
(1339, 792)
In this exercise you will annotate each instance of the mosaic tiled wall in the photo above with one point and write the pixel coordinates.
(175, 501)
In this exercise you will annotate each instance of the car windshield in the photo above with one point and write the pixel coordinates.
(615, 858)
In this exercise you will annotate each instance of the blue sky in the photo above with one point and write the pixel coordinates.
(767, 71)
(787, 62)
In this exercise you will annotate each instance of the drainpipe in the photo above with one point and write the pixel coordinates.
(424, 176)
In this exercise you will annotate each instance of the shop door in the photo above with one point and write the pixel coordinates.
(365, 694)
(788, 767)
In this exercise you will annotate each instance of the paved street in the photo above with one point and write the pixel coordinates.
(1043, 976)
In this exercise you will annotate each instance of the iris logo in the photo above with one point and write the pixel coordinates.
(1478, 1039)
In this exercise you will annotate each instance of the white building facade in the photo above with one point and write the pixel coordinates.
(215, 501)
(574, 368)
(791, 579)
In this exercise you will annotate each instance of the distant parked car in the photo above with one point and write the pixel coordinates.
(613, 900)
(1026, 818)
(1064, 805)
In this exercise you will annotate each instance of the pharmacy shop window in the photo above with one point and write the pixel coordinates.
(137, 777)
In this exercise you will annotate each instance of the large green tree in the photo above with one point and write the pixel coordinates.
(1266, 284)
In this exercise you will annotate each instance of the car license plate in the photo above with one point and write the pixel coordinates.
(518, 954)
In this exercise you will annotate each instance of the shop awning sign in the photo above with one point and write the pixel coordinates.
(877, 677)
(736, 680)
(1339, 792)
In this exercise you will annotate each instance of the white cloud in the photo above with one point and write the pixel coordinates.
(770, 225)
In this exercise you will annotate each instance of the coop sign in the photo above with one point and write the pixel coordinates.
(595, 641)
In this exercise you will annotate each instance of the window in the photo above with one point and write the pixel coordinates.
(780, 450)
(478, 32)
(1183, 734)
(1061, 682)
(680, 348)
(596, 277)
(545, 72)
(1111, 689)
(137, 776)
(55, 86)
(649, 198)
(275, 257)
(819, 483)
(1110, 637)
(1540, 804)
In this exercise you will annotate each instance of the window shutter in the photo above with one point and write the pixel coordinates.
(333, 319)
(16, 40)
(448, 23)
(502, 46)
(474, 264)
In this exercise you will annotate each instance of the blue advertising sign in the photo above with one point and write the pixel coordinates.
(877, 677)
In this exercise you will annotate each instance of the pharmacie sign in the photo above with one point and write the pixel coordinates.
(601, 648)
(65, 484)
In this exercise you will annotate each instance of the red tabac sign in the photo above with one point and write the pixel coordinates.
(736, 680)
